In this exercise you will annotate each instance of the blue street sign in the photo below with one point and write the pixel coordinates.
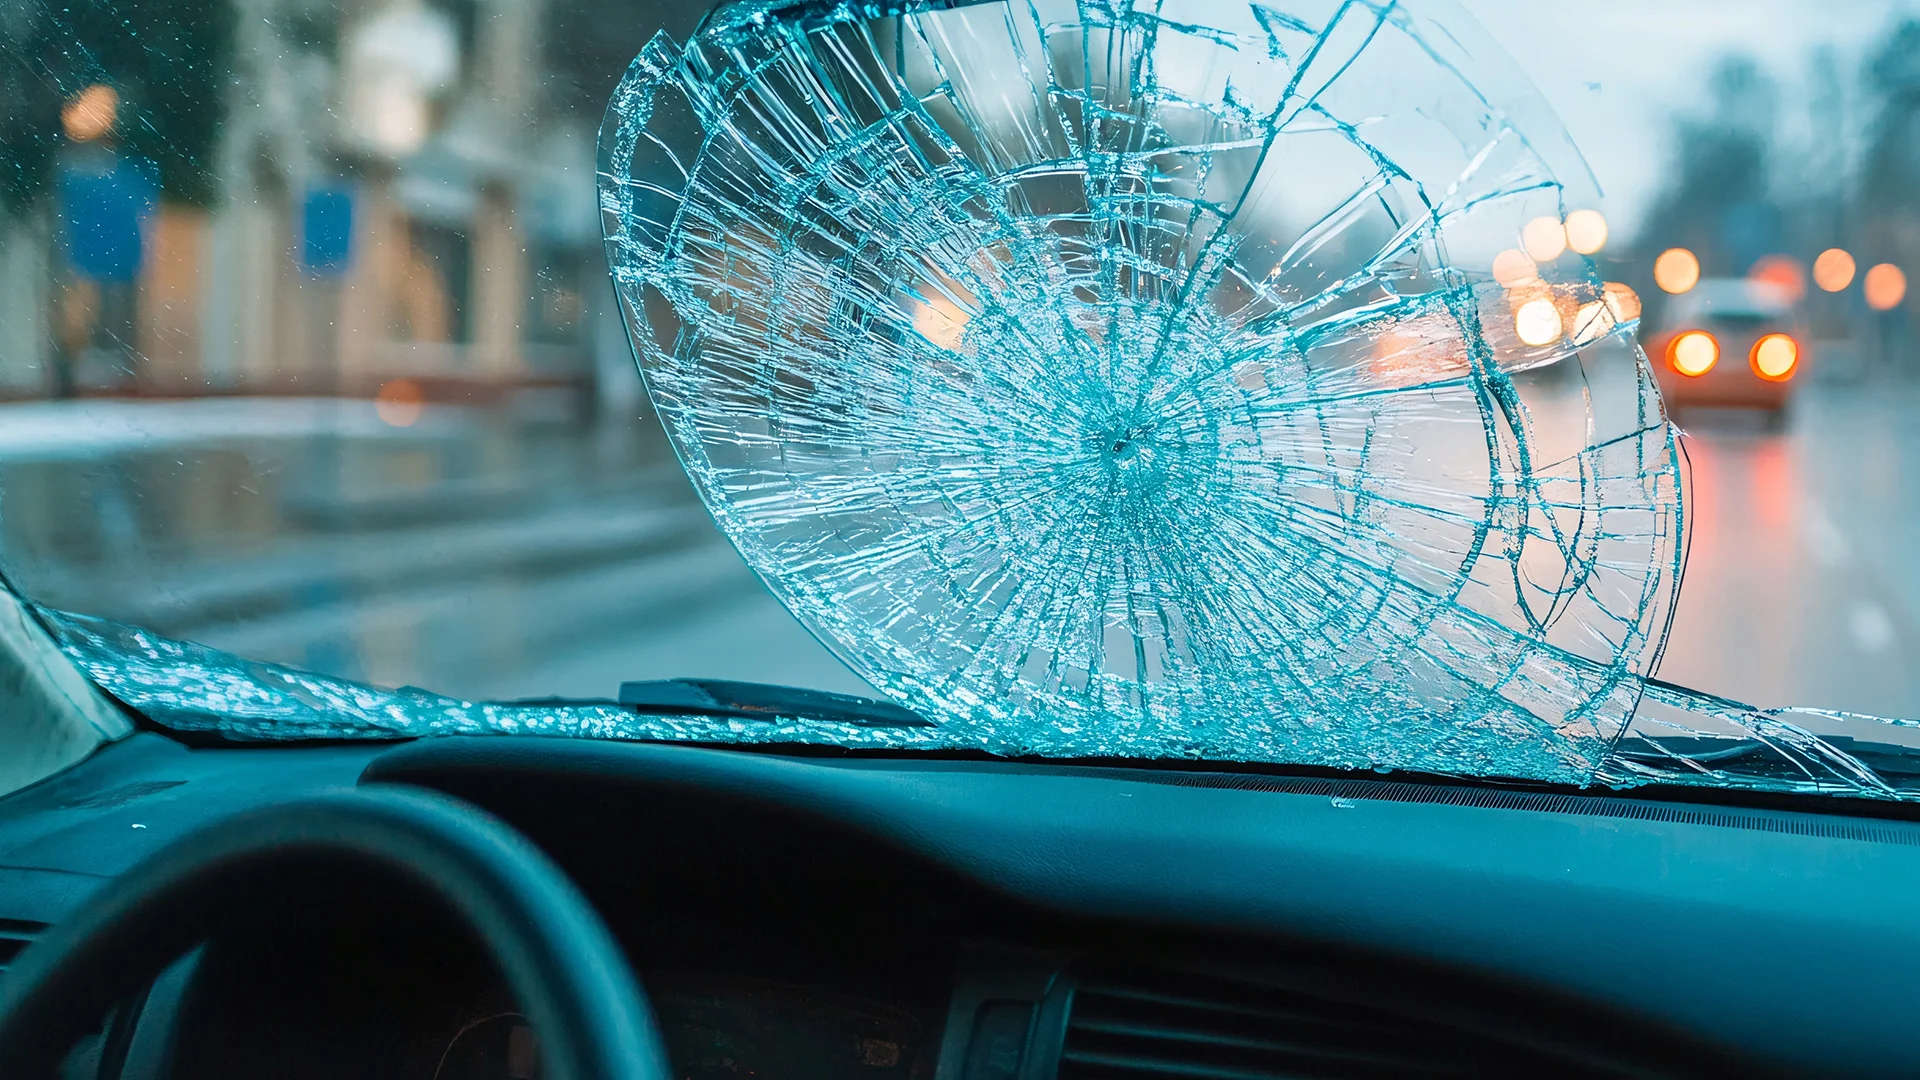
(102, 211)
(326, 231)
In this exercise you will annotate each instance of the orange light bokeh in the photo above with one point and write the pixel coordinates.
(1586, 231)
(1591, 322)
(1774, 357)
(1621, 300)
(1544, 238)
(1537, 322)
(1676, 270)
(1885, 286)
(1833, 270)
(1693, 353)
(1512, 267)
(400, 402)
(1782, 272)
(941, 322)
(91, 113)
(1416, 350)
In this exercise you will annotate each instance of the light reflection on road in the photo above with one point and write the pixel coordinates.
(1803, 580)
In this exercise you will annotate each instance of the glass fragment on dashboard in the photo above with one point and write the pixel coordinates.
(193, 689)
(1678, 736)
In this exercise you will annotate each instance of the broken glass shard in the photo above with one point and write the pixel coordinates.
(194, 690)
(1679, 737)
(1111, 378)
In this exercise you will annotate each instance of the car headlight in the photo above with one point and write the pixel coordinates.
(1693, 353)
(1774, 357)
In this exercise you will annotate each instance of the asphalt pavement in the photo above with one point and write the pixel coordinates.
(489, 556)
(1803, 575)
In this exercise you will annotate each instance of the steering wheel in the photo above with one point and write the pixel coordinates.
(556, 955)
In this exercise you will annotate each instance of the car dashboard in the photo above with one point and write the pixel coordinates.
(956, 919)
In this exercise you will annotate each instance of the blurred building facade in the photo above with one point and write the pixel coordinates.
(395, 190)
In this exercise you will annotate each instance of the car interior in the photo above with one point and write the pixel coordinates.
(847, 915)
(1262, 604)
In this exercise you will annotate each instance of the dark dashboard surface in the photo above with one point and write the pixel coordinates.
(904, 917)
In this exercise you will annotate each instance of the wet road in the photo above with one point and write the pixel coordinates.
(1803, 578)
(482, 555)
(493, 557)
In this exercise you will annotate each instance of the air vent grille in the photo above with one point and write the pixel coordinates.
(1145, 1024)
(15, 936)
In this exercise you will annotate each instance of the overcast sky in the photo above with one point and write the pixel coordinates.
(1618, 70)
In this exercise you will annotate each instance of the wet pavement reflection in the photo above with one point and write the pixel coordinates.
(513, 552)
(1803, 579)
(483, 553)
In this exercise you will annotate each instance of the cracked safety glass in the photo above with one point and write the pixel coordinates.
(1211, 381)
(1158, 380)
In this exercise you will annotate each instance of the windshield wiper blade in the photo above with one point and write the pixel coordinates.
(760, 701)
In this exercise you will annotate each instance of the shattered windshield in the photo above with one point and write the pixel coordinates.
(1106, 382)
(1206, 381)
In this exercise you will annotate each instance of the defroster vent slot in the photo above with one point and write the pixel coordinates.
(1146, 1023)
(15, 936)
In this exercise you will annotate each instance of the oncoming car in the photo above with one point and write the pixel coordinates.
(1730, 342)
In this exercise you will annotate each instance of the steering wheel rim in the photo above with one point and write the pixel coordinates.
(554, 951)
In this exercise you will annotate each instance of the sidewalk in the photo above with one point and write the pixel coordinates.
(93, 428)
(464, 549)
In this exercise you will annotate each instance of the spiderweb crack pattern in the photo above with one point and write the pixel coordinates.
(1106, 383)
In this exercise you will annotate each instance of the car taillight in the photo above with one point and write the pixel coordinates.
(1693, 353)
(1774, 357)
